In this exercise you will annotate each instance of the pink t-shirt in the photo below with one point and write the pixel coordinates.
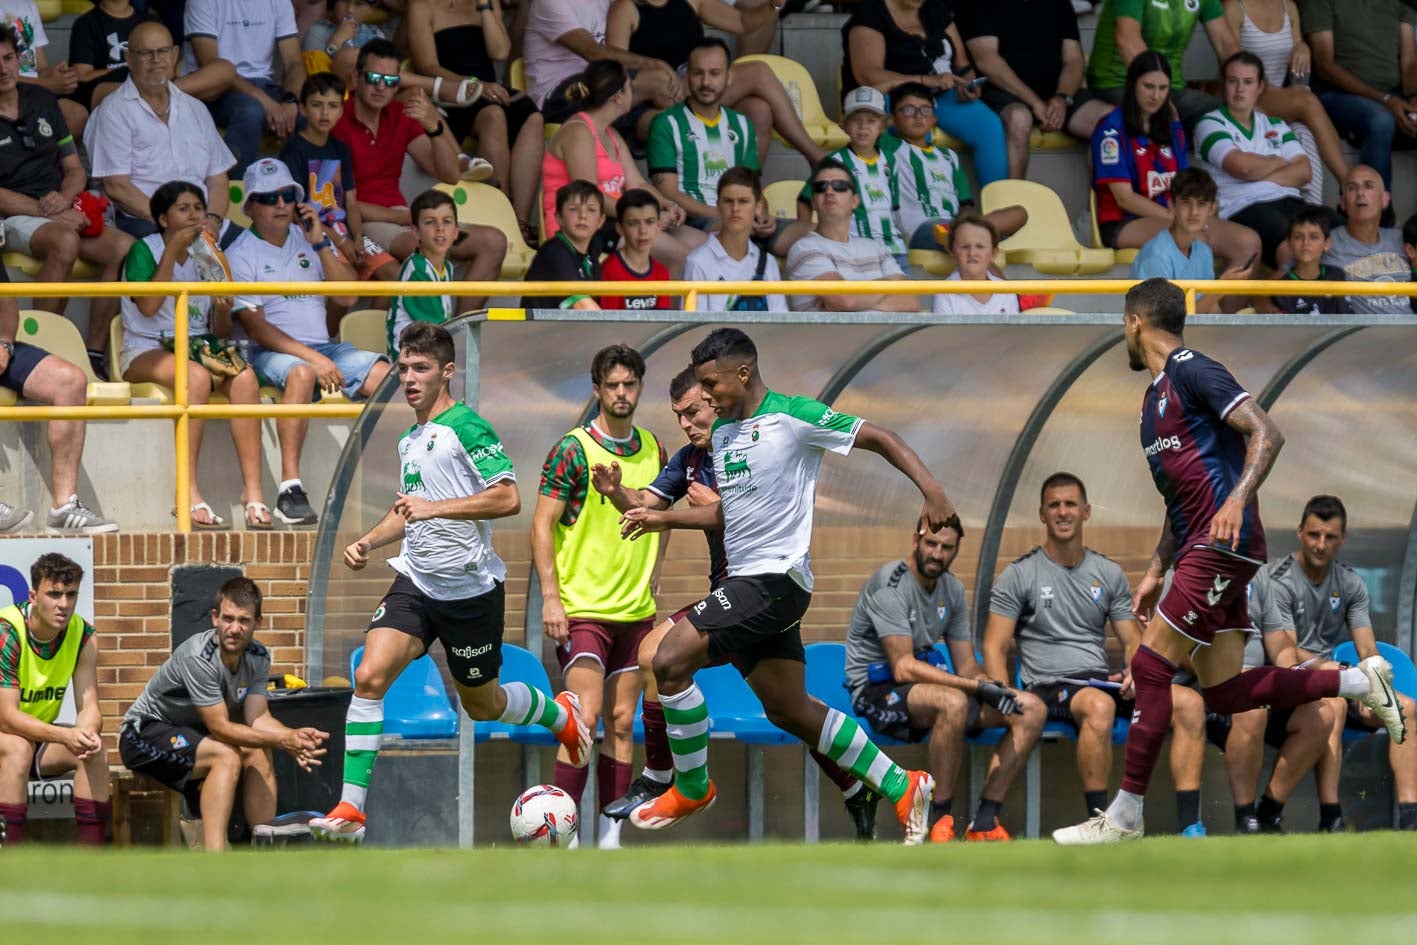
(548, 63)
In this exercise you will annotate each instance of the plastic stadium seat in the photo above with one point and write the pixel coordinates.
(61, 338)
(7, 397)
(1046, 242)
(803, 92)
(826, 675)
(1048, 310)
(82, 272)
(734, 711)
(781, 197)
(518, 665)
(1404, 674)
(366, 329)
(488, 206)
(236, 212)
(937, 262)
(516, 74)
(1124, 256)
(51, 10)
(148, 391)
(417, 704)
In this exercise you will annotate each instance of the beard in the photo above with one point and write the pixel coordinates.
(928, 568)
(1134, 359)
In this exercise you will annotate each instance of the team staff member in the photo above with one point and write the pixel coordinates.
(597, 601)
(47, 649)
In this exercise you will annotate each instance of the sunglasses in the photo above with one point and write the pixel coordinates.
(914, 111)
(270, 200)
(374, 78)
(840, 186)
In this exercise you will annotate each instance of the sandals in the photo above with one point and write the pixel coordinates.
(476, 169)
(262, 521)
(469, 91)
(216, 524)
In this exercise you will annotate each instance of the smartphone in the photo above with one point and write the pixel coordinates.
(1251, 261)
(976, 83)
(308, 222)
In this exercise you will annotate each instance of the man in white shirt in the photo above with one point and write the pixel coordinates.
(731, 254)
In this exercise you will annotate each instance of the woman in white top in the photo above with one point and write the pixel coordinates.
(974, 242)
(180, 209)
(1270, 29)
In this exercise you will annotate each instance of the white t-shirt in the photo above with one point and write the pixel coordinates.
(548, 63)
(145, 332)
(950, 304)
(124, 136)
(246, 32)
(252, 259)
(1217, 135)
(856, 260)
(711, 263)
(22, 16)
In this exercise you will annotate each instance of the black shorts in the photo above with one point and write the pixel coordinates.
(884, 706)
(22, 364)
(1276, 728)
(1058, 696)
(519, 111)
(753, 618)
(469, 629)
(166, 753)
(998, 100)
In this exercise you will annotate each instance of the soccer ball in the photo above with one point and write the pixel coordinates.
(545, 816)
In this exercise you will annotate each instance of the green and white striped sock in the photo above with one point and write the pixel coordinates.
(844, 742)
(528, 706)
(363, 724)
(686, 719)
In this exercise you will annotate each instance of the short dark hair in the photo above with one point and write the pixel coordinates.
(431, 199)
(1409, 229)
(685, 381)
(54, 567)
(1245, 58)
(165, 196)
(829, 164)
(1061, 479)
(712, 42)
(740, 175)
(613, 356)
(376, 49)
(1193, 183)
(322, 83)
(973, 218)
(430, 339)
(723, 343)
(578, 189)
(1318, 216)
(910, 90)
(241, 592)
(8, 37)
(635, 199)
(1161, 303)
(1326, 508)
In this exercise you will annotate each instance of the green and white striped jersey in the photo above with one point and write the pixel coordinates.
(930, 181)
(405, 310)
(699, 151)
(876, 218)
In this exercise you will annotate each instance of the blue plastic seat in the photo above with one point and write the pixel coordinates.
(1056, 731)
(518, 665)
(417, 704)
(734, 711)
(826, 675)
(1404, 678)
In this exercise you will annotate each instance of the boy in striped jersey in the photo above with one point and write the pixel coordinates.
(435, 217)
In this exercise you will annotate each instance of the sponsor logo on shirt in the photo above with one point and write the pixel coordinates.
(494, 449)
(735, 465)
(412, 478)
(1111, 151)
(1158, 183)
(1045, 594)
(1163, 443)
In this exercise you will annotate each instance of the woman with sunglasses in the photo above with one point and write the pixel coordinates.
(149, 324)
(587, 148)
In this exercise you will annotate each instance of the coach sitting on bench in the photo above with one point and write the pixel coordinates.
(202, 726)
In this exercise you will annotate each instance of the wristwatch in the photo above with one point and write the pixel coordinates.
(288, 98)
(8, 347)
(331, 49)
(436, 131)
(322, 245)
(1067, 100)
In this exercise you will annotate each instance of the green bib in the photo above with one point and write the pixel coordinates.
(44, 682)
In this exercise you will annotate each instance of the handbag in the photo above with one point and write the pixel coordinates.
(221, 358)
(753, 303)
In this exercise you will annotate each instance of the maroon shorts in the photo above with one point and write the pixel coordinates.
(1207, 595)
(615, 646)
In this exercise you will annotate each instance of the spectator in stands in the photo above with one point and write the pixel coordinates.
(732, 253)
(36, 375)
(905, 687)
(339, 34)
(1271, 30)
(974, 242)
(1180, 251)
(466, 39)
(588, 148)
(41, 180)
(571, 255)
(1366, 250)
(46, 650)
(1316, 602)
(1309, 239)
(98, 47)
(23, 17)
(632, 259)
(1055, 602)
(380, 132)
(1034, 62)
(249, 33)
(435, 217)
(150, 132)
(290, 340)
(1364, 78)
(831, 253)
(669, 31)
(148, 354)
(892, 42)
(1136, 151)
(929, 178)
(202, 725)
(1128, 28)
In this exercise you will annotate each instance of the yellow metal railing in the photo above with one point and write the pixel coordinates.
(182, 413)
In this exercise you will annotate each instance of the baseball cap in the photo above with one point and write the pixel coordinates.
(864, 99)
(268, 176)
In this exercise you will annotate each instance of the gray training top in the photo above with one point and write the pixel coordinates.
(1321, 615)
(894, 604)
(194, 676)
(1062, 612)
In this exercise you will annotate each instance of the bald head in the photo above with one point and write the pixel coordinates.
(148, 34)
(1365, 197)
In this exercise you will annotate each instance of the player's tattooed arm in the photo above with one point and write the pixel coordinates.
(1264, 443)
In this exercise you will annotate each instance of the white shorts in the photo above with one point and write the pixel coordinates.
(19, 230)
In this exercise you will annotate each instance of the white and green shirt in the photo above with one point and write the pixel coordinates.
(699, 151)
(876, 218)
(1219, 134)
(930, 181)
(766, 466)
(454, 455)
(143, 332)
(405, 310)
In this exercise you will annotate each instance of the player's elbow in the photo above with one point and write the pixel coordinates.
(511, 503)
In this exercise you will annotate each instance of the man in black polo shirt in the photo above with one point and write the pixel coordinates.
(573, 254)
(40, 178)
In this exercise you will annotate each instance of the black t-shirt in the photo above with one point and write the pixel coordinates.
(558, 261)
(325, 172)
(1030, 33)
(1315, 305)
(906, 53)
(30, 149)
(99, 40)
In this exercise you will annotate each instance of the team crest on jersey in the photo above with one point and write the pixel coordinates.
(1193, 5)
(1096, 592)
(45, 129)
(432, 442)
(1045, 594)
(1161, 405)
(755, 435)
(304, 262)
(241, 694)
(942, 612)
(1111, 151)
(1335, 601)
(378, 614)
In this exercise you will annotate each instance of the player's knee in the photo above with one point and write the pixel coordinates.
(370, 682)
(1187, 710)
(224, 763)
(671, 671)
(622, 721)
(1033, 713)
(16, 753)
(644, 657)
(950, 705)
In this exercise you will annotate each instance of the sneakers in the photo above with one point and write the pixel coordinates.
(669, 808)
(73, 517)
(944, 830)
(997, 835)
(861, 806)
(642, 791)
(913, 808)
(1194, 831)
(293, 507)
(344, 824)
(1382, 698)
(574, 736)
(13, 519)
(1099, 829)
(1248, 824)
(1337, 825)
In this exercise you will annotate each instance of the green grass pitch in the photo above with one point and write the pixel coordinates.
(1348, 890)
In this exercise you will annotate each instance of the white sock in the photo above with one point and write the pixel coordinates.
(290, 484)
(655, 774)
(1125, 810)
(354, 794)
(608, 836)
(1353, 683)
(64, 505)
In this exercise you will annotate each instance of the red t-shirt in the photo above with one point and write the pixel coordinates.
(615, 269)
(378, 159)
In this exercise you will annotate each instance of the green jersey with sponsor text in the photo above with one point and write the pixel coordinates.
(699, 150)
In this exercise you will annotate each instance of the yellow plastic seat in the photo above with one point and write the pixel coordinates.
(51, 10)
(8, 398)
(937, 262)
(1046, 242)
(82, 272)
(1038, 140)
(236, 212)
(144, 390)
(942, 140)
(1048, 310)
(781, 197)
(485, 205)
(61, 338)
(803, 92)
(366, 329)
(516, 74)
(1124, 257)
